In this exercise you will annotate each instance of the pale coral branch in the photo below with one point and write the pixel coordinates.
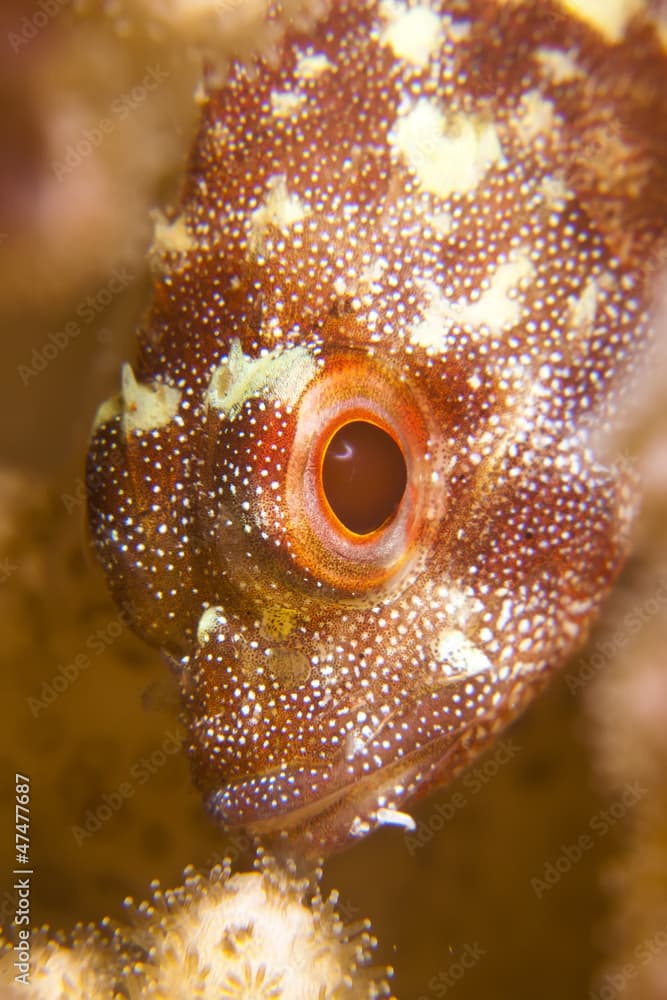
(256, 935)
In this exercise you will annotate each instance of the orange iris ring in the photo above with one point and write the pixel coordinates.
(348, 390)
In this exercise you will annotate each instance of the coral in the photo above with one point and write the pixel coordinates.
(86, 82)
(80, 967)
(626, 707)
(72, 200)
(259, 936)
(215, 30)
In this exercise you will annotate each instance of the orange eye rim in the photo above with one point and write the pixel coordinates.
(352, 387)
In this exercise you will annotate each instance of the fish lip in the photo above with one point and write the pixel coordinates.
(350, 808)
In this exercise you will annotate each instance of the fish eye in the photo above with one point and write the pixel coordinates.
(364, 475)
(359, 495)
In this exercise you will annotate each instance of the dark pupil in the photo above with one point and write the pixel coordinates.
(364, 476)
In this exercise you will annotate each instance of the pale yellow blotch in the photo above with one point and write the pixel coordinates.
(147, 407)
(442, 222)
(370, 276)
(413, 34)
(609, 18)
(170, 239)
(535, 116)
(312, 66)
(584, 308)
(448, 156)
(287, 103)
(279, 210)
(438, 317)
(280, 375)
(498, 307)
(278, 622)
(340, 287)
(108, 410)
(495, 308)
(558, 65)
(458, 655)
(555, 191)
(209, 622)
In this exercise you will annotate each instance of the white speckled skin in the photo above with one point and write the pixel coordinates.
(443, 218)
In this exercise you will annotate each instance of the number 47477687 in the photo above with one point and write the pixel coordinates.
(22, 819)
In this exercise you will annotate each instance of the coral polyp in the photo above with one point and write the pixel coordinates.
(263, 935)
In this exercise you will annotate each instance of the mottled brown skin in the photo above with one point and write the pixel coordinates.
(488, 322)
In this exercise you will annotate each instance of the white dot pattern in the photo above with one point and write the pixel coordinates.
(490, 320)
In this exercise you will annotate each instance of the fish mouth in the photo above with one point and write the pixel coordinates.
(334, 808)
(317, 809)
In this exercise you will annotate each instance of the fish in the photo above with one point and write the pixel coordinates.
(359, 485)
